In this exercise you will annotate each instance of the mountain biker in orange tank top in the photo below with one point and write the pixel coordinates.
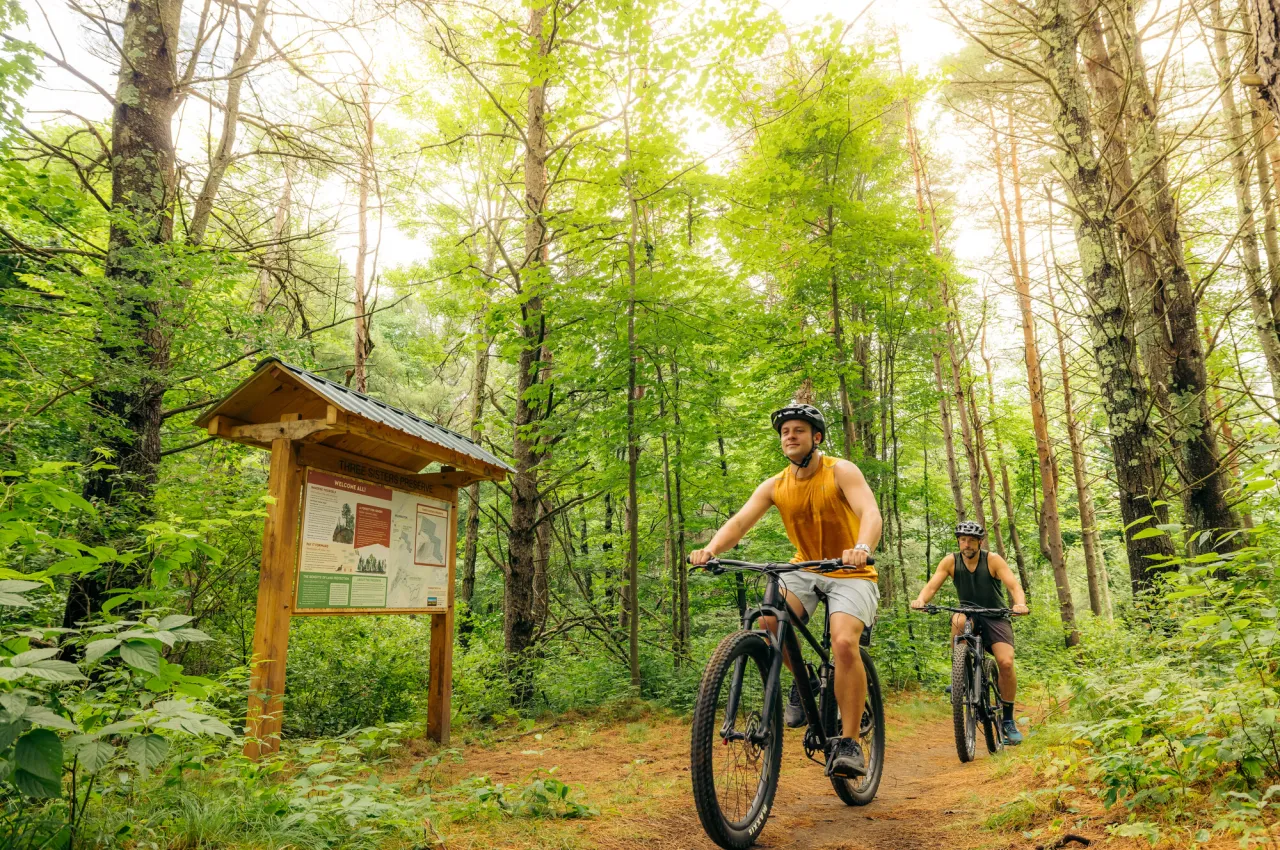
(829, 512)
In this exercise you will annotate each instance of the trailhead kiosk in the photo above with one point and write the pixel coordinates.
(354, 525)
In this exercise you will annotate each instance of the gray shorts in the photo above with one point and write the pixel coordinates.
(857, 597)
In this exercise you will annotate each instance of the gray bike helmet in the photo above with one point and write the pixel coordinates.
(804, 412)
(970, 528)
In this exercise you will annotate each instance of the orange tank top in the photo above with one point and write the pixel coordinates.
(818, 520)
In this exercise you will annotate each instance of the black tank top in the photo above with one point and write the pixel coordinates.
(978, 588)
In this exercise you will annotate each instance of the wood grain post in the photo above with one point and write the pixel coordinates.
(275, 601)
(440, 674)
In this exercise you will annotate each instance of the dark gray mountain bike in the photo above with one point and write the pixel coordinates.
(975, 692)
(737, 721)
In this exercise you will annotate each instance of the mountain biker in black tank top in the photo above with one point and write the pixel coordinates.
(980, 578)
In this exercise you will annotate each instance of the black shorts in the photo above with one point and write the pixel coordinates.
(993, 630)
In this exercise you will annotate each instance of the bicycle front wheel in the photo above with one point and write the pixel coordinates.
(964, 713)
(736, 752)
(991, 712)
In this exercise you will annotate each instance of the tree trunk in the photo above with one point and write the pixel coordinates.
(1087, 528)
(1106, 63)
(1007, 491)
(977, 453)
(1263, 318)
(842, 359)
(479, 384)
(633, 444)
(682, 572)
(279, 227)
(1265, 22)
(246, 54)
(944, 404)
(1051, 533)
(1205, 484)
(519, 623)
(1124, 395)
(542, 566)
(954, 331)
(740, 584)
(363, 344)
(128, 395)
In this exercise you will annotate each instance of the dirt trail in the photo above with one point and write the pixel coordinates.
(637, 775)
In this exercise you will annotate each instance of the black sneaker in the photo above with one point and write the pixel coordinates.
(794, 714)
(846, 760)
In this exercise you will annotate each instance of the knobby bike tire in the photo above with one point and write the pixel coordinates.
(754, 654)
(962, 714)
(991, 706)
(860, 791)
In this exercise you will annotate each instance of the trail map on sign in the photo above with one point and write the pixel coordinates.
(368, 546)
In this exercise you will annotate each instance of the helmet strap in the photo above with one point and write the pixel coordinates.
(813, 447)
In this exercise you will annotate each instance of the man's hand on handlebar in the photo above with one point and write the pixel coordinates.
(855, 557)
(917, 604)
(1021, 610)
(699, 557)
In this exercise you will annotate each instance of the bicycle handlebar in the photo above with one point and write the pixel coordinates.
(719, 566)
(938, 609)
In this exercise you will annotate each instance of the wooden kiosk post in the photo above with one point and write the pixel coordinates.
(354, 525)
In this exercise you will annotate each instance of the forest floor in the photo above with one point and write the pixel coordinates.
(635, 773)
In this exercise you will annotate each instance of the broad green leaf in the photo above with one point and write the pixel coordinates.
(140, 655)
(1148, 532)
(39, 715)
(99, 648)
(54, 671)
(22, 659)
(173, 621)
(147, 751)
(94, 755)
(35, 786)
(39, 752)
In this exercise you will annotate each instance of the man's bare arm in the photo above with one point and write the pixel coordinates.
(858, 494)
(941, 574)
(738, 525)
(1006, 575)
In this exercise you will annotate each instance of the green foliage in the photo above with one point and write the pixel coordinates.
(352, 672)
(1174, 712)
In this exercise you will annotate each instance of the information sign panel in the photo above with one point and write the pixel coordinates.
(367, 548)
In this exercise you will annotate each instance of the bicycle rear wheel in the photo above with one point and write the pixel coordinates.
(963, 711)
(734, 760)
(862, 790)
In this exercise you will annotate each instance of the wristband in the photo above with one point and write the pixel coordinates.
(864, 547)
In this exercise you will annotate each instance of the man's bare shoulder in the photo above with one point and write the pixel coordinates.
(846, 470)
(996, 560)
(948, 563)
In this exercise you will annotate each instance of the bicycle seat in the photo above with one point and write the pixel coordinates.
(865, 640)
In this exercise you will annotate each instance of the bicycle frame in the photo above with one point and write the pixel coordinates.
(974, 640)
(774, 605)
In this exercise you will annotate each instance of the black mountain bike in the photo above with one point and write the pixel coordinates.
(737, 721)
(975, 693)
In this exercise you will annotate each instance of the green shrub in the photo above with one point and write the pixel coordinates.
(350, 672)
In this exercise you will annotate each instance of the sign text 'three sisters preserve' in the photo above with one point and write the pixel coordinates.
(368, 547)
